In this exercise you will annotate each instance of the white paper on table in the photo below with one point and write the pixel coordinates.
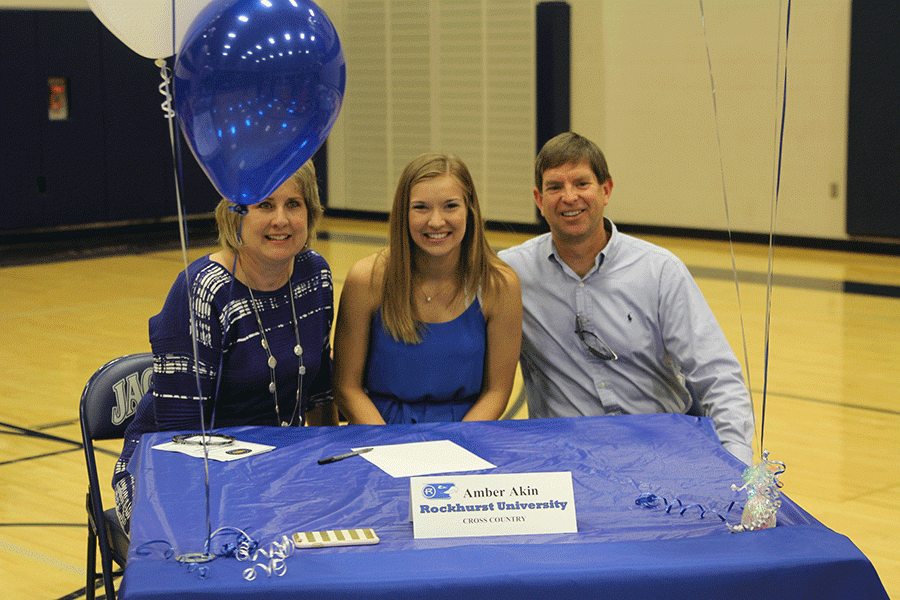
(424, 458)
(222, 453)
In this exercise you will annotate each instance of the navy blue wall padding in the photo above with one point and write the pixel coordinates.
(552, 75)
(873, 144)
(21, 103)
(552, 62)
(111, 160)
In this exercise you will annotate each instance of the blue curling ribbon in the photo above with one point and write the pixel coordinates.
(147, 548)
(238, 208)
(650, 500)
(781, 468)
(647, 500)
(242, 546)
(202, 571)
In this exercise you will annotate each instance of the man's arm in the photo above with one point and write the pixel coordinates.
(712, 373)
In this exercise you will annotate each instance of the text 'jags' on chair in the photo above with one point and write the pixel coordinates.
(108, 403)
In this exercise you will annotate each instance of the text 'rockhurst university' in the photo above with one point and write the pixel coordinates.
(495, 505)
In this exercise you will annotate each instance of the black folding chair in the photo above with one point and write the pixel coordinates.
(108, 403)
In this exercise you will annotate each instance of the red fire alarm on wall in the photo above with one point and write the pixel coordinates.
(58, 102)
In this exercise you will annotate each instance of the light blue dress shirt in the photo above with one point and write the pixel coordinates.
(643, 303)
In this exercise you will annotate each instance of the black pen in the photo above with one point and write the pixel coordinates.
(331, 459)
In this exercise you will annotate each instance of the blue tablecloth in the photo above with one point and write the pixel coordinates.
(622, 550)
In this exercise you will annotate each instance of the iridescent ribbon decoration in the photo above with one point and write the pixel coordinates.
(762, 486)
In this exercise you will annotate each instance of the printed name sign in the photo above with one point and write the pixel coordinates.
(494, 504)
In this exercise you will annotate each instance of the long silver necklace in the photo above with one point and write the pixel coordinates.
(272, 361)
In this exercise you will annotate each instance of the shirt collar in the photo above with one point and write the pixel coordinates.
(613, 235)
(548, 248)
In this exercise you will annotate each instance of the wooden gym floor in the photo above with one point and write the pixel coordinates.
(832, 409)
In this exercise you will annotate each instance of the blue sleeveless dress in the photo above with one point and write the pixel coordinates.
(438, 379)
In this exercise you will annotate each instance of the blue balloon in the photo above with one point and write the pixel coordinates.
(258, 86)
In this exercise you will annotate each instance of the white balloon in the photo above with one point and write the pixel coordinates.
(146, 26)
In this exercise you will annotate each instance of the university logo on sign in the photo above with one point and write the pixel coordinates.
(439, 491)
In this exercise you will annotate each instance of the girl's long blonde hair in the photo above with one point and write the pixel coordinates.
(479, 267)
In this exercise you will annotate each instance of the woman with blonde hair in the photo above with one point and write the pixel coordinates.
(244, 333)
(429, 328)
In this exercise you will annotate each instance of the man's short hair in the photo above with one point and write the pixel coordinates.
(567, 148)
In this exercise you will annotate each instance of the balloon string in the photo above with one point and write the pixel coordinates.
(227, 316)
(734, 270)
(174, 28)
(164, 89)
(774, 211)
(174, 141)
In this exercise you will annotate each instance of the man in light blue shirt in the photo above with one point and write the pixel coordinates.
(613, 324)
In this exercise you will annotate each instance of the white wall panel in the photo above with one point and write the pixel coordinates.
(452, 76)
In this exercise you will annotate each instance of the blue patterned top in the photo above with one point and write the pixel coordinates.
(228, 334)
